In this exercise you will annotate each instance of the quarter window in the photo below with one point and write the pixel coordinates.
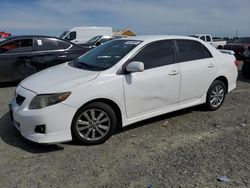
(156, 54)
(189, 50)
(63, 44)
(17, 46)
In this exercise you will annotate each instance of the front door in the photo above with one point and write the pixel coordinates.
(157, 87)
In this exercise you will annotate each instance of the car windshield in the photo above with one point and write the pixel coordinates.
(243, 40)
(105, 56)
(64, 34)
(93, 40)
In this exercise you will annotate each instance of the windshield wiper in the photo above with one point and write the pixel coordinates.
(86, 66)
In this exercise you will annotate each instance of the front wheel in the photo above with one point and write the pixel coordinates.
(215, 95)
(93, 123)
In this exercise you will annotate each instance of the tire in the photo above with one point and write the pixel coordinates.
(97, 119)
(215, 95)
(246, 70)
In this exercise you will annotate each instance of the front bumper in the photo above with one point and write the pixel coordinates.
(56, 118)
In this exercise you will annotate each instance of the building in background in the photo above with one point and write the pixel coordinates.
(125, 32)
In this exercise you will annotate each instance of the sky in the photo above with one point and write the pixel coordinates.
(178, 17)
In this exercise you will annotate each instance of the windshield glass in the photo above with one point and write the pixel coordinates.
(64, 34)
(243, 40)
(106, 55)
(93, 40)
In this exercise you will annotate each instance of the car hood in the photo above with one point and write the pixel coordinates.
(58, 79)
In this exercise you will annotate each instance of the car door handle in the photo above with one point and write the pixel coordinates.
(173, 72)
(61, 56)
(211, 65)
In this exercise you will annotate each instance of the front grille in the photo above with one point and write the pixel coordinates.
(19, 99)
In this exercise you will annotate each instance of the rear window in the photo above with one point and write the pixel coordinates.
(189, 50)
(63, 45)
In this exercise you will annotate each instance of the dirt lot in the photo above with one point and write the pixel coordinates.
(189, 148)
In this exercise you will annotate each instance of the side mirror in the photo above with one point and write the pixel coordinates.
(135, 66)
(98, 43)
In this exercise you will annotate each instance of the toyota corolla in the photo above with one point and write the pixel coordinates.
(119, 83)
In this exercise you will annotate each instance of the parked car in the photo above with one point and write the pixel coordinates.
(99, 40)
(80, 35)
(239, 46)
(208, 38)
(4, 34)
(119, 83)
(246, 63)
(22, 56)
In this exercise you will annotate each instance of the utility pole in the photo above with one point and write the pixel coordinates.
(237, 32)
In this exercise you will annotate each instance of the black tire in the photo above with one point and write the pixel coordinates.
(97, 107)
(210, 95)
(246, 70)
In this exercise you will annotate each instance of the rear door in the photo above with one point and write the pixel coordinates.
(198, 69)
(157, 87)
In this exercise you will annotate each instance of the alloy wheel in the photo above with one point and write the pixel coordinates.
(217, 96)
(93, 124)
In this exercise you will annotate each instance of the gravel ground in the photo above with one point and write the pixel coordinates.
(188, 148)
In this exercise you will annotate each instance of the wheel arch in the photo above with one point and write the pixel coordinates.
(112, 104)
(224, 80)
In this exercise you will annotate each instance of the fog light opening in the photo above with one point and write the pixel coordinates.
(40, 129)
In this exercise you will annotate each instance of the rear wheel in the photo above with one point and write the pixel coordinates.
(93, 123)
(215, 95)
(246, 70)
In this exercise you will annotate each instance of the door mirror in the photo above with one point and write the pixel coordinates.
(135, 66)
(98, 43)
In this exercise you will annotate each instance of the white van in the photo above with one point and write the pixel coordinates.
(81, 35)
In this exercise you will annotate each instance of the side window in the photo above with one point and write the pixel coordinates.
(71, 36)
(63, 45)
(156, 54)
(203, 38)
(191, 50)
(17, 46)
(46, 44)
(208, 38)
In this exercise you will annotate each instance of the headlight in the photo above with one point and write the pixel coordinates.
(43, 100)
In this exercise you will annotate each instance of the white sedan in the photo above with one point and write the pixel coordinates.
(119, 83)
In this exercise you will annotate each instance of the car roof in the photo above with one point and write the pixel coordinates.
(150, 38)
(35, 36)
